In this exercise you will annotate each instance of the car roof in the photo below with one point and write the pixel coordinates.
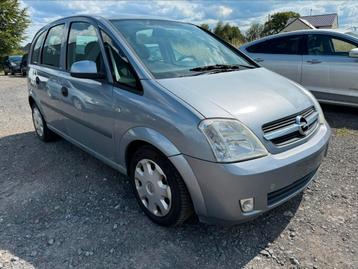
(106, 20)
(338, 32)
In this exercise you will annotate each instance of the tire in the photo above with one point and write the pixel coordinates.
(12, 73)
(175, 206)
(41, 129)
(6, 73)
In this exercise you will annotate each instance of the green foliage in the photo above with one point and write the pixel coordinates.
(254, 32)
(13, 23)
(231, 34)
(277, 22)
(205, 26)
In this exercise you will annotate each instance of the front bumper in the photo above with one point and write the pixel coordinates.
(270, 180)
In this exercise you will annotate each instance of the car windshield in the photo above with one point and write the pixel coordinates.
(173, 49)
(15, 59)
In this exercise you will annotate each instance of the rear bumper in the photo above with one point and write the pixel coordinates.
(270, 180)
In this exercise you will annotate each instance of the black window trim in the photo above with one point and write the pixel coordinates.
(61, 53)
(139, 88)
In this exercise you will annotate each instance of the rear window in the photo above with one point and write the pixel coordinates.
(51, 52)
(37, 48)
(282, 45)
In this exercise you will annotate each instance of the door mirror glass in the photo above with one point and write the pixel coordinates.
(85, 69)
(354, 53)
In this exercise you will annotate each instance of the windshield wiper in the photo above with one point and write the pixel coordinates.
(222, 67)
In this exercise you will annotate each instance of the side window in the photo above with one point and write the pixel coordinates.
(52, 49)
(83, 44)
(37, 48)
(328, 45)
(120, 68)
(319, 45)
(342, 48)
(282, 45)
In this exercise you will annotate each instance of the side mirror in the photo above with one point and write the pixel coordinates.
(85, 69)
(354, 53)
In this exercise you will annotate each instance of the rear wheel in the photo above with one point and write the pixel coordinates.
(41, 129)
(159, 188)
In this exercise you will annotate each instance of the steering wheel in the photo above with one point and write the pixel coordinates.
(182, 58)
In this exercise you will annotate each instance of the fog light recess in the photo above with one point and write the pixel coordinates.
(247, 205)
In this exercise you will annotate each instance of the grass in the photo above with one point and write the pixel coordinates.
(345, 132)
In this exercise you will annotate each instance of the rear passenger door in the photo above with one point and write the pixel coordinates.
(282, 55)
(88, 103)
(46, 72)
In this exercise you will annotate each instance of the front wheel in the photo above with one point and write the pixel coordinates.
(159, 188)
(42, 131)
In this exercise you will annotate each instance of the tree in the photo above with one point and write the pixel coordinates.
(231, 34)
(205, 26)
(254, 32)
(278, 21)
(13, 23)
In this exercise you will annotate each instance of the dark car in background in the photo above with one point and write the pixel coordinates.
(23, 65)
(12, 64)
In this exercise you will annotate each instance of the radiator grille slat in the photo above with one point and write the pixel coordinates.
(286, 130)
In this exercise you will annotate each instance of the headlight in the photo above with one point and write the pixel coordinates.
(231, 141)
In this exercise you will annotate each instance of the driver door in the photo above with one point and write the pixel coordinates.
(88, 103)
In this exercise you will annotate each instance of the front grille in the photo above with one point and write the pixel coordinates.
(281, 194)
(287, 130)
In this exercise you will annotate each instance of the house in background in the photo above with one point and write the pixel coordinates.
(325, 21)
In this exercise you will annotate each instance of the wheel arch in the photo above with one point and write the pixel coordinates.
(140, 136)
(31, 101)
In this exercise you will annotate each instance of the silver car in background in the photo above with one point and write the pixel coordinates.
(323, 61)
(195, 124)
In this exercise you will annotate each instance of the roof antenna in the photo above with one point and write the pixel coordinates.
(311, 12)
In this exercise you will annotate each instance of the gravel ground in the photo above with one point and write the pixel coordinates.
(62, 208)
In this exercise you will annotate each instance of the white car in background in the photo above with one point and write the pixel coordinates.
(323, 61)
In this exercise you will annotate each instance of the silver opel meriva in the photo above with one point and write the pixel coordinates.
(196, 124)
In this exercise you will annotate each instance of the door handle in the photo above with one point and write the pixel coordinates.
(37, 80)
(259, 60)
(64, 91)
(314, 61)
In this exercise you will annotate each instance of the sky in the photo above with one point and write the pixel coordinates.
(240, 13)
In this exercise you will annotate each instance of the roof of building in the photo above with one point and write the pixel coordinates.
(321, 20)
(292, 20)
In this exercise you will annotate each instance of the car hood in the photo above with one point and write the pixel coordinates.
(253, 96)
